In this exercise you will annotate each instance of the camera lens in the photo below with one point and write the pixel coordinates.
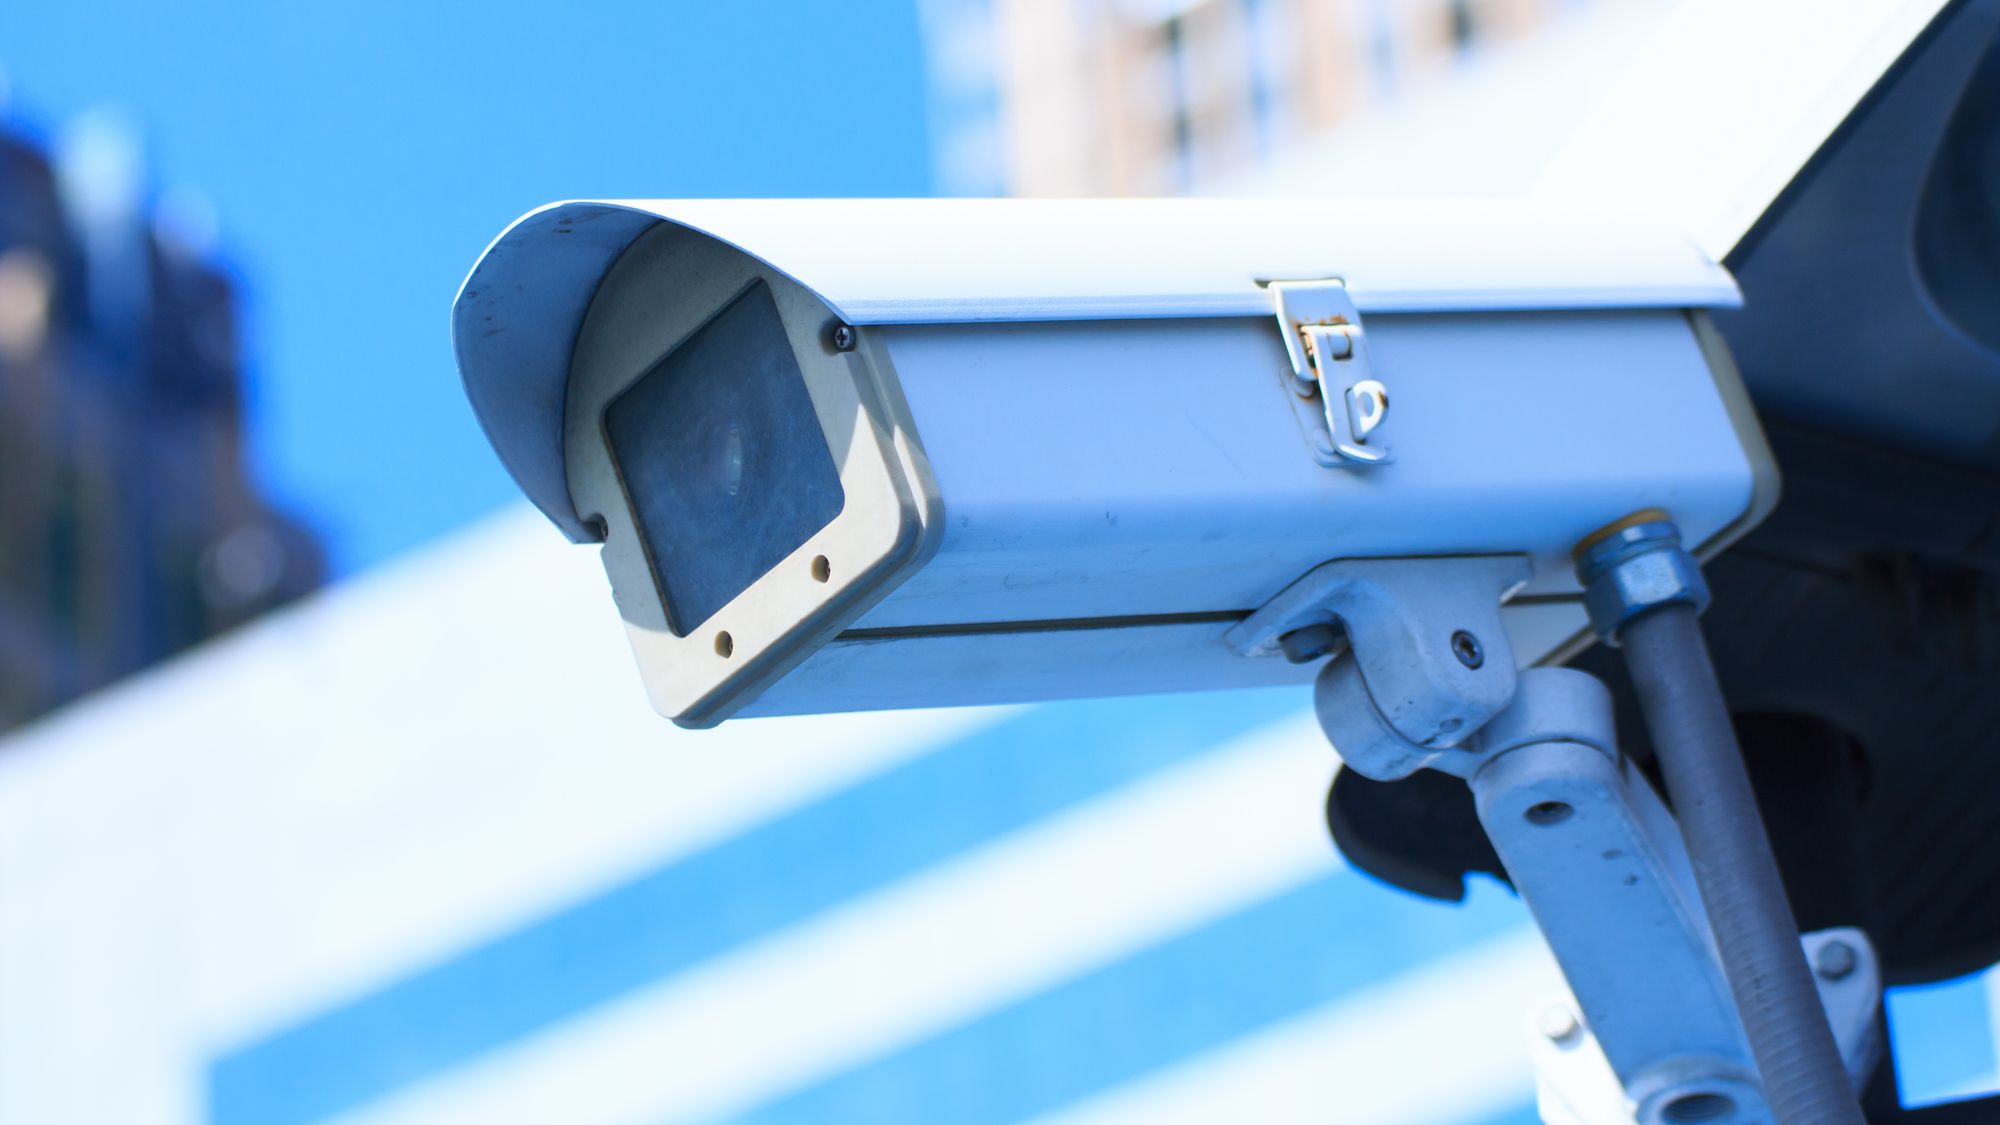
(722, 459)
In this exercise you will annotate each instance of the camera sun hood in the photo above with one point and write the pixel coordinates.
(517, 316)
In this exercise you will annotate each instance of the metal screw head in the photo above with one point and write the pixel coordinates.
(1466, 647)
(1836, 960)
(844, 337)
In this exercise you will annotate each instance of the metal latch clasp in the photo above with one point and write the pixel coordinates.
(1339, 398)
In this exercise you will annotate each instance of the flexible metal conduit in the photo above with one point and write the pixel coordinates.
(1805, 1082)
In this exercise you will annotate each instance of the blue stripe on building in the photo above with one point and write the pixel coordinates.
(772, 876)
(1525, 1114)
(1278, 959)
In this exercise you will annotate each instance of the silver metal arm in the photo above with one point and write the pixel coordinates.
(1652, 1033)
(1596, 857)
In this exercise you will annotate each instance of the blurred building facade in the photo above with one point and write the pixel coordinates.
(491, 886)
(129, 528)
(1152, 97)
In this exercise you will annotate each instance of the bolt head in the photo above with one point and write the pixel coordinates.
(1634, 569)
(1836, 960)
(844, 337)
(1467, 648)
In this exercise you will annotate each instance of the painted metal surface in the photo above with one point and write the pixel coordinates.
(1104, 401)
(1598, 860)
(954, 669)
(1070, 491)
(1430, 661)
(1199, 499)
(906, 261)
(518, 313)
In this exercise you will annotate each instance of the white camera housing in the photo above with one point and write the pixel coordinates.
(1075, 441)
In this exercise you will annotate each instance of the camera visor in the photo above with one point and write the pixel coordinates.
(722, 459)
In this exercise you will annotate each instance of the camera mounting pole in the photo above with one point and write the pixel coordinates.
(1431, 683)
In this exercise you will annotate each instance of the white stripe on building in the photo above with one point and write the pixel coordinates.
(1025, 912)
(336, 796)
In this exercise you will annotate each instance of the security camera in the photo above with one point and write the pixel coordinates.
(848, 455)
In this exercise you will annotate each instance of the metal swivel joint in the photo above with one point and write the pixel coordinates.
(1669, 1031)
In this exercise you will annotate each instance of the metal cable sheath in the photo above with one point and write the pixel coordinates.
(1805, 1082)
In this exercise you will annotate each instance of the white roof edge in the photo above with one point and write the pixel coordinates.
(1728, 103)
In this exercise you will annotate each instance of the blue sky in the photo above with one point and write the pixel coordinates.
(360, 155)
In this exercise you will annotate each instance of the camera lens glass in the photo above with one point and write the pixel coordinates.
(722, 459)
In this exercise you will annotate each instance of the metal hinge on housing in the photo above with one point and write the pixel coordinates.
(1336, 394)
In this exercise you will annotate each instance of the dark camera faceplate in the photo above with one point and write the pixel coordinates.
(722, 459)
